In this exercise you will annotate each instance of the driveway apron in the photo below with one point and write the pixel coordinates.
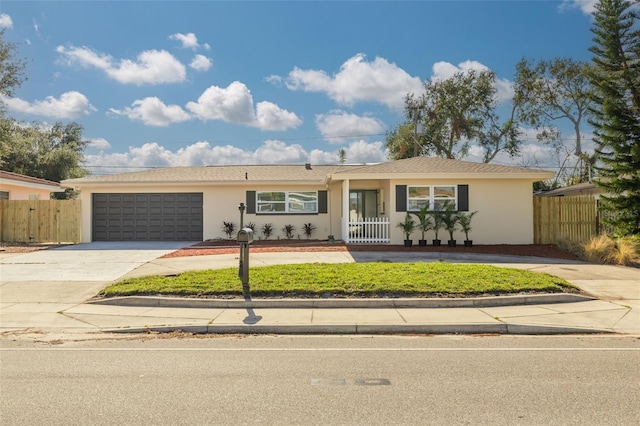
(39, 285)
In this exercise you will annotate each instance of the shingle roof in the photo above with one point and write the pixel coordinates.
(227, 174)
(27, 179)
(440, 166)
(301, 174)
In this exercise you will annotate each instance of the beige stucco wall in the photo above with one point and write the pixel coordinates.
(221, 204)
(17, 192)
(505, 211)
(505, 208)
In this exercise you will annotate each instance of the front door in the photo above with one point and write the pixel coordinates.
(363, 203)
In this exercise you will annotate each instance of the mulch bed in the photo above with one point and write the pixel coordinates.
(214, 247)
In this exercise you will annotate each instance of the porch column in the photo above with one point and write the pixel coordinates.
(345, 210)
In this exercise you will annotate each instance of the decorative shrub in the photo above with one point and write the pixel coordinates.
(228, 228)
(308, 229)
(288, 231)
(267, 230)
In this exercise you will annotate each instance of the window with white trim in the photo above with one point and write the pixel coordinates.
(435, 197)
(296, 202)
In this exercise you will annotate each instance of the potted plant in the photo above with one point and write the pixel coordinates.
(425, 224)
(437, 225)
(464, 219)
(228, 228)
(288, 231)
(267, 230)
(449, 221)
(407, 226)
(308, 229)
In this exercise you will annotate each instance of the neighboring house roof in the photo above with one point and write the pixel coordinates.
(441, 167)
(313, 174)
(585, 188)
(10, 178)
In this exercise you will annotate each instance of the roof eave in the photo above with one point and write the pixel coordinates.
(533, 176)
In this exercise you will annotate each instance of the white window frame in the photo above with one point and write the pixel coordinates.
(288, 200)
(432, 196)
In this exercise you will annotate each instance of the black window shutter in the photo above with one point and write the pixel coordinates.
(322, 202)
(463, 198)
(401, 198)
(251, 202)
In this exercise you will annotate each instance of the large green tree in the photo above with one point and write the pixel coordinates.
(550, 91)
(53, 153)
(616, 113)
(11, 68)
(452, 113)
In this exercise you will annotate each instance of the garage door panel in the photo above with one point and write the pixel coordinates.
(147, 217)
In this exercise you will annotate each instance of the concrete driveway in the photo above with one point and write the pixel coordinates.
(72, 274)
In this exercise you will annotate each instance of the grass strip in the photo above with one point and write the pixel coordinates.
(346, 279)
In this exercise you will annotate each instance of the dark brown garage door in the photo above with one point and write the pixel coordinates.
(147, 217)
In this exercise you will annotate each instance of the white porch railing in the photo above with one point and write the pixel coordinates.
(369, 230)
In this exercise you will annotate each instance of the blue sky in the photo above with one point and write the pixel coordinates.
(162, 83)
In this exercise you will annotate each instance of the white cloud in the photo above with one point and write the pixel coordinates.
(69, 105)
(270, 116)
(586, 6)
(276, 80)
(234, 104)
(153, 112)
(278, 152)
(338, 126)
(202, 153)
(5, 21)
(201, 63)
(150, 66)
(444, 70)
(359, 81)
(189, 40)
(99, 143)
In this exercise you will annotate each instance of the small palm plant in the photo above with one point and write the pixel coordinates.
(228, 228)
(308, 229)
(464, 219)
(267, 230)
(450, 220)
(437, 225)
(407, 226)
(424, 225)
(288, 231)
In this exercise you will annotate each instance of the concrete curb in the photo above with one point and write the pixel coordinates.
(387, 303)
(367, 329)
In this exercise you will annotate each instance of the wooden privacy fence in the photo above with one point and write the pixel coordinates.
(564, 218)
(40, 221)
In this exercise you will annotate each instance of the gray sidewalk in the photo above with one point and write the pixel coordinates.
(31, 302)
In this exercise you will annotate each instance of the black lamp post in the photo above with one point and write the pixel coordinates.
(242, 208)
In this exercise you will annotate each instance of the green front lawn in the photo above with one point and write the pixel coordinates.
(346, 279)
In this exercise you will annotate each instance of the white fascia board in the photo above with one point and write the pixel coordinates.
(31, 185)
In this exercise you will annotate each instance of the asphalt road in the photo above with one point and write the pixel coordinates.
(510, 380)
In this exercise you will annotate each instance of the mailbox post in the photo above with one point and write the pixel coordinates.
(245, 237)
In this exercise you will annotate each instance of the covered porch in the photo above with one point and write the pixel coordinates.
(364, 215)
